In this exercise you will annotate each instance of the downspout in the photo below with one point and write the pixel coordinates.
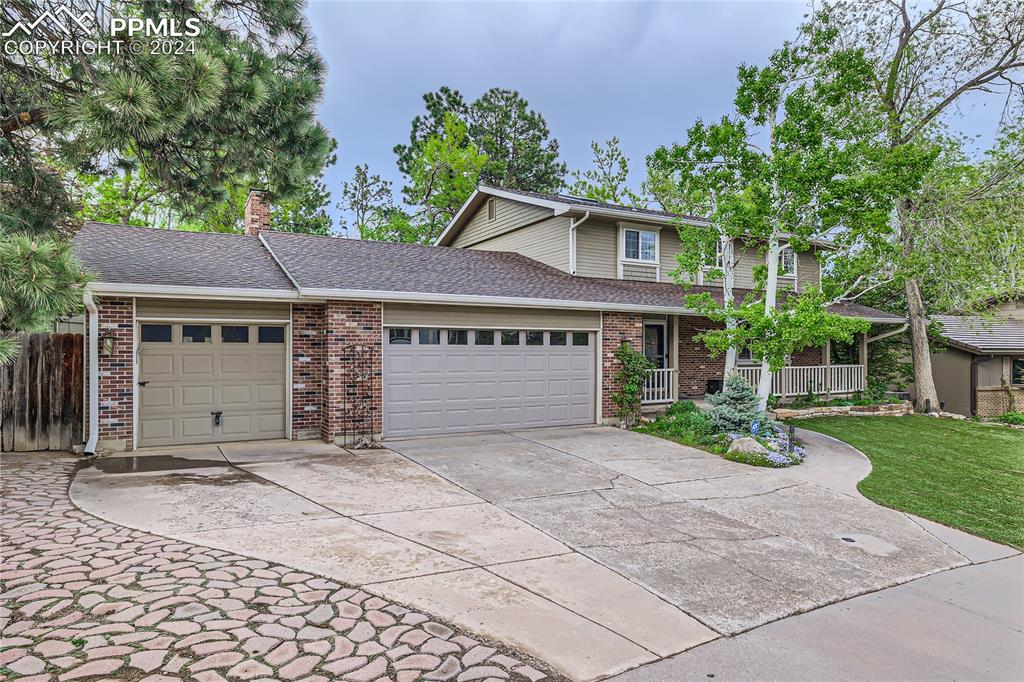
(94, 370)
(573, 224)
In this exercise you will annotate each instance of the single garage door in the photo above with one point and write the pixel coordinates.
(209, 383)
(455, 380)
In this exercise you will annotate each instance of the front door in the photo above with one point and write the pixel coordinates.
(654, 344)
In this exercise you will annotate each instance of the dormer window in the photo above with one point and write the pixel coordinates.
(787, 263)
(491, 210)
(640, 245)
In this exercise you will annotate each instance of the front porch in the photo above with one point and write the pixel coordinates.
(684, 368)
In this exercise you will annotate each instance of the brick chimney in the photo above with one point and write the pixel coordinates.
(257, 212)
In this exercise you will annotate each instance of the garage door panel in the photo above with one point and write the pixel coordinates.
(236, 363)
(196, 426)
(157, 396)
(440, 388)
(189, 381)
(197, 396)
(196, 364)
(157, 367)
(234, 396)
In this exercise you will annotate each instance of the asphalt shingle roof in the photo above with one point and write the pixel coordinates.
(137, 255)
(146, 255)
(983, 335)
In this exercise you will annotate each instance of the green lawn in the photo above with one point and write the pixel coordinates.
(958, 473)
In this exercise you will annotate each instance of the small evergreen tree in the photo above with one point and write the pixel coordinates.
(736, 407)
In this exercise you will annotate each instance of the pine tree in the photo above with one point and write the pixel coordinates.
(736, 407)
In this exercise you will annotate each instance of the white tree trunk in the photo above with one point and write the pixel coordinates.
(764, 384)
(728, 283)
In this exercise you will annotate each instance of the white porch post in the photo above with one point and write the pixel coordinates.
(828, 368)
(862, 358)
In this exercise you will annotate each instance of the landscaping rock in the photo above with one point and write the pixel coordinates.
(748, 446)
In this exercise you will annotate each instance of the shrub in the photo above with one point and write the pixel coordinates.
(736, 407)
(632, 374)
(1014, 418)
(685, 423)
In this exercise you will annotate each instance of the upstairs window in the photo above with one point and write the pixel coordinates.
(718, 262)
(491, 209)
(641, 245)
(787, 263)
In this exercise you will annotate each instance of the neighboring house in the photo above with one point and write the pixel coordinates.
(982, 370)
(207, 337)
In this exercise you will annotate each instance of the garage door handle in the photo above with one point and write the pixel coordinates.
(216, 418)
(143, 383)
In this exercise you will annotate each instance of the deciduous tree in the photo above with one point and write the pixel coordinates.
(925, 59)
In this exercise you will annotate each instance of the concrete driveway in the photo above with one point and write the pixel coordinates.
(594, 549)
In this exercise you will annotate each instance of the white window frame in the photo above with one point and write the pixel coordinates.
(492, 210)
(655, 264)
(788, 275)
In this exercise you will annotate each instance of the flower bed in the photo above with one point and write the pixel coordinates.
(882, 410)
(734, 428)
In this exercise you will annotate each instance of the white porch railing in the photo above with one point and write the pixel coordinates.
(817, 379)
(660, 386)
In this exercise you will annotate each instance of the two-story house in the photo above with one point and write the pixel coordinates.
(510, 321)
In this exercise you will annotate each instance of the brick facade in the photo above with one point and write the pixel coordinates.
(352, 385)
(616, 328)
(696, 366)
(307, 369)
(116, 373)
(993, 402)
(807, 357)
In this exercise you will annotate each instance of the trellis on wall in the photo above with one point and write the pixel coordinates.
(358, 407)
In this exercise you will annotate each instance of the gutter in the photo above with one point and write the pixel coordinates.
(94, 370)
(573, 224)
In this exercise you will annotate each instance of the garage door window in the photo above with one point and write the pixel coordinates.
(534, 338)
(430, 337)
(401, 337)
(458, 337)
(580, 339)
(271, 335)
(196, 333)
(556, 338)
(483, 338)
(156, 333)
(509, 338)
(233, 333)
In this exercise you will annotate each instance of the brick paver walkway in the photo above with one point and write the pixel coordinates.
(85, 598)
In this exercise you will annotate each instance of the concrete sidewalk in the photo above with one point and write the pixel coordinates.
(965, 624)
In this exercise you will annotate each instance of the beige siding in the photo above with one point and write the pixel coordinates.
(952, 372)
(211, 310)
(669, 246)
(993, 371)
(546, 241)
(417, 315)
(639, 273)
(807, 271)
(597, 246)
(509, 215)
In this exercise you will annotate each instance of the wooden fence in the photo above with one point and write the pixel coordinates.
(41, 394)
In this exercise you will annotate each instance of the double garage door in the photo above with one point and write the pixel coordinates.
(209, 383)
(439, 380)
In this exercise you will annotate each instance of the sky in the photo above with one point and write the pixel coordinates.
(641, 71)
